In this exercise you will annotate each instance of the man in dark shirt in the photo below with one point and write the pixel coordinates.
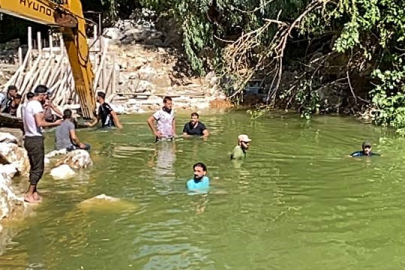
(6, 103)
(105, 113)
(366, 146)
(195, 127)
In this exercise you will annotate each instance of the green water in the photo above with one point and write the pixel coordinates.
(297, 202)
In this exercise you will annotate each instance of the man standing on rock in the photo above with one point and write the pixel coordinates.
(165, 121)
(33, 120)
(106, 114)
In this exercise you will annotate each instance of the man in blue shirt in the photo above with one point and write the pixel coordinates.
(366, 146)
(200, 181)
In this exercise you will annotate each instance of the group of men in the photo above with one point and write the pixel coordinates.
(35, 118)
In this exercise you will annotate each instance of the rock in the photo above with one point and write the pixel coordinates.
(147, 73)
(140, 86)
(56, 153)
(113, 33)
(9, 170)
(76, 159)
(12, 154)
(10, 203)
(62, 172)
(7, 138)
(105, 203)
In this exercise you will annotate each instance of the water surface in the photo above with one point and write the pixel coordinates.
(297, 202)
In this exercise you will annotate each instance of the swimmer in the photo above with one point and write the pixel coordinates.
(366, 146)
(239, 151)
(200, 181)
(195, 127)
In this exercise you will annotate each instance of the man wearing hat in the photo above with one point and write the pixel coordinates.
(366, 146)
(239, 151)
(105, 113)
(33, 119)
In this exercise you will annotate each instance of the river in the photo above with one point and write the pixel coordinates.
(297, 202)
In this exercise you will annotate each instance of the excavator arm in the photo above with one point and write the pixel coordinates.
(68, 16)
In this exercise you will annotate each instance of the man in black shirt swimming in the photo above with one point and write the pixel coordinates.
(366, 146)
(105, 113)
(195, 127)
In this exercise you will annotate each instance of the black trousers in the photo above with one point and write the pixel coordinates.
(36, 155)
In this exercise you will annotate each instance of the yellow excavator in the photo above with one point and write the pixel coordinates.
(68, 16)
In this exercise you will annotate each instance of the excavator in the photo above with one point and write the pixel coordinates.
(67, 15)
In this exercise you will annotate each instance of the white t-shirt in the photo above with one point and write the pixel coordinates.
(164, 122)
(30, 126)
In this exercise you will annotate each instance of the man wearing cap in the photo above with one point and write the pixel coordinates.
(366, 146)
(105, 113)
(239, 151)
(33, 119)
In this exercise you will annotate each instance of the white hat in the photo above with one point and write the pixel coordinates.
(244, 138)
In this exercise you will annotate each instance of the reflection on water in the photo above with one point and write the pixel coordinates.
(296, 202)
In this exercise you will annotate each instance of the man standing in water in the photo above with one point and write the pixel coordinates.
(366, 151)
(165, 121)
(105, 113)
(195, 127)
(239, 151)
(33, 120)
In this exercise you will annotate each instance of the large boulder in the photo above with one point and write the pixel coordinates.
(77, 159)
(10, 153)
(103, 202)
(10, 203)
(62, 172)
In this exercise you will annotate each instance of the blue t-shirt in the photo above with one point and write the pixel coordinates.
(204, 183)
(361, 154)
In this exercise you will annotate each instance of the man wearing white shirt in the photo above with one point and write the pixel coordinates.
(33, 119)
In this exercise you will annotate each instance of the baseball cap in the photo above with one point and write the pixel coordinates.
(366, 144)
(244, 138)
(41, 89)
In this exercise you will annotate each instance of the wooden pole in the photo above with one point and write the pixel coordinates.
(39, 40)
(20, 57)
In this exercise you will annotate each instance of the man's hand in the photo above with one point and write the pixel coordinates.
(119, 126)
(58, 122)
(158, 134)
(82, 145)
(88, 124)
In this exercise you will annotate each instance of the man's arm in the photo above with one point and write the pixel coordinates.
(174, 127)
(55, 109)
(39, 119)
(94, 122)
(75, 139)
(206, 133)
(116, 120)
(151, 125)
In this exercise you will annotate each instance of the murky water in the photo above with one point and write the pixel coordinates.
(297, 202)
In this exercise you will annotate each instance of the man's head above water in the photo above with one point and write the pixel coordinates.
(366, 146)
(200, 170)
(244, 141)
